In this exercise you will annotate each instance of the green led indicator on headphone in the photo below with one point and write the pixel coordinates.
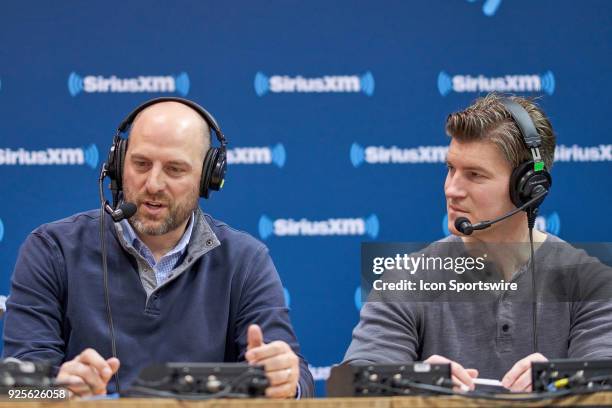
(538, 166)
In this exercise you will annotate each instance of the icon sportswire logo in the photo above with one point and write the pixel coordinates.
(51, 156)
(545, 223)
(100, 84)
(396, 155)
(326, 84)
(276, 155)
(489, 7)
(505, 83)
(283, 227)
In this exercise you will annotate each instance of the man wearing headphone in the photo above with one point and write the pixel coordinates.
(177, 285)
(498, 160)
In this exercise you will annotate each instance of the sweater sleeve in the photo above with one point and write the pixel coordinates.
(262, 302)
(33, 322)
(591, 312)
(387, 332)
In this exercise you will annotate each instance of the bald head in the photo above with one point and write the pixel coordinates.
(176, 120)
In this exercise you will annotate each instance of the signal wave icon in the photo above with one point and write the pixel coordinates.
(266, 227)
(357, 296)
(367, 83)
(75, 84)
(489, 8)
(261, 84)
(182, 83)
(1, 230)
(372, 226)
(444, 83)
(548, 82)
(91, 156)
(279, 155)
(445, 225)
(551, 223)
(357, 154)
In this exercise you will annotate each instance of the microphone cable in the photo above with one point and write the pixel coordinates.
(109, 314)
(531, 217)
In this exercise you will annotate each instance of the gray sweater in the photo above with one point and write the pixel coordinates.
(489, 336)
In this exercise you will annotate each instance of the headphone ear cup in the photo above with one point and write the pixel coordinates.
(120, 160)
(207, 169)
(523, 181)
(116, 158)
(218, 170)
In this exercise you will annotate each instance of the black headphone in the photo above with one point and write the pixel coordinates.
(213, 167)
(531, 177)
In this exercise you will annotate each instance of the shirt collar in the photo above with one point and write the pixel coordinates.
(132, 239)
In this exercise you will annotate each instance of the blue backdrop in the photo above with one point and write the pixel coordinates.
(334, 111)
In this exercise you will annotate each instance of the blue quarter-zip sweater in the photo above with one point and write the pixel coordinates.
(224, 282)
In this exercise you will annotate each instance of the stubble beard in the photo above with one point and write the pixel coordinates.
(178, 212)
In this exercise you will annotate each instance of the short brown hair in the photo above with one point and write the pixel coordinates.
(488, 119)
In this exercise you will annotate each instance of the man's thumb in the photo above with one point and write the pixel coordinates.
(254, 337)
(472, 372)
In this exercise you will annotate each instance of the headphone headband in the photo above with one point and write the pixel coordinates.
(210, 120)
(523, 121)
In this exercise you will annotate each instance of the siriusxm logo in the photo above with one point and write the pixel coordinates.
(577, 153)
(333, 226)
(396, 155)
(258, 155)
(49, 157)
(551, 223)
(506, 83)
(1, 230)
(319, 373)
(445, 225)
(287, 297)
(489, 8)
(100, 84)
(357, 298)
(329, 83)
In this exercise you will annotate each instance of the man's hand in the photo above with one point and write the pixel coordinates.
(462, 377)
(280, 362)
(519, 377)
(88, 373)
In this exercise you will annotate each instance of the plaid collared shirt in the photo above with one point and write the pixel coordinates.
(162, 268)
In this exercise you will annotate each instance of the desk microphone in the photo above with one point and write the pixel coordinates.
(464, 226)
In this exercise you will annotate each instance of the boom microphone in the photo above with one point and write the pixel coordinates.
(464, 226)
(125, 211)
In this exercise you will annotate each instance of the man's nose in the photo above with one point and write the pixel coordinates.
(155, 180)
(454, 187)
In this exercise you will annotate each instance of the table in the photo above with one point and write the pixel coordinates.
(597, 399)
